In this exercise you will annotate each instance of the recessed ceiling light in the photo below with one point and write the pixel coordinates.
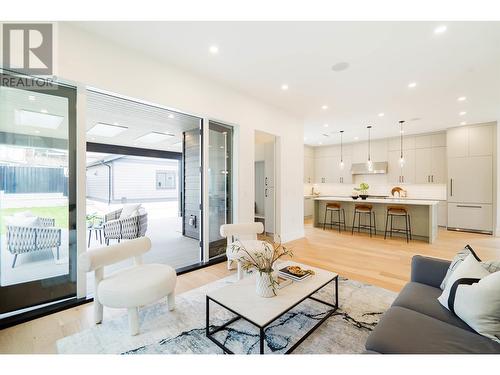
(154, 137)
(340, 66)
(106, 130)
(44, 120)
(44, 111)
(324, 106)
(462, 98)
(463, 113)
(171, 115)
(214, 50)
(284, 87)
(92, 139)
(32, 97)
(440, 29)
(412, 85)
(463, 123)
(381, 114)
(325, 125)
(37, 132)
(356, 138)
(320, 143)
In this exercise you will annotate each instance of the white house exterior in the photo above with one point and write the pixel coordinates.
(133, 179)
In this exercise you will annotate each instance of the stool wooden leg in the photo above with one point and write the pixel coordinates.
(409, 225)
(338, 214)
(353, 222)
(370, 214)
(386, 222)
(374, 223)
(324, 220)
(390, 232)
(343, 217)
(407, 231)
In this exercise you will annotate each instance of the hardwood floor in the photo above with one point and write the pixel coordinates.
(385, 263)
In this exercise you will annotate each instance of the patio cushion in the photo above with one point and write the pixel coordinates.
(22, 221)
(144, 284)
(129, 210)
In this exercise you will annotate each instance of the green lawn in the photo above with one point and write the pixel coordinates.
(59, 213)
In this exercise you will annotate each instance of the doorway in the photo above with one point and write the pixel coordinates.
(265, 181)
(145, 160)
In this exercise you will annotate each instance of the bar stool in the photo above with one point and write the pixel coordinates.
(365, 209)
(334, 207)
(398, 211)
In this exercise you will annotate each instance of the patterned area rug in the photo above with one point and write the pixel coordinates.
(183, 330)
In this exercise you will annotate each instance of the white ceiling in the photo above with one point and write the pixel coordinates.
(139, 119)
(383, 57)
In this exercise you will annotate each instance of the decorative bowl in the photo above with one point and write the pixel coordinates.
(363, 196)
(354, 197)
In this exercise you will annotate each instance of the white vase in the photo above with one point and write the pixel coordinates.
(264, 284)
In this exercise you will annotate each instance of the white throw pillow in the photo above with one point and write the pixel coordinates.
(129, 210)
(469, 268)
(490, 265)
(21, 221)
(478, 305)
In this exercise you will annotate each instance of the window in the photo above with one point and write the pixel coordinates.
(165, 180)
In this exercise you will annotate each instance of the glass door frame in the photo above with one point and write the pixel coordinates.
(36, 293)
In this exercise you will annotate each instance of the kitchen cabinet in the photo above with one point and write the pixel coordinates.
(480, 140)
(430, 165)
(470, 179)
(324, 170)
(308, 169)
(478, 217)
(457, 143)
(401, 175)
(308, 206)
(443, 214)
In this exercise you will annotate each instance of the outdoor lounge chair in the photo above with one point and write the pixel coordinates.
(127, 229)
(27, 239)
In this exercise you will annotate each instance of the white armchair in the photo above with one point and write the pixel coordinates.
(132, 287)
(239, 232)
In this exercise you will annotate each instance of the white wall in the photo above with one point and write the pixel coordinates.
(87, 59)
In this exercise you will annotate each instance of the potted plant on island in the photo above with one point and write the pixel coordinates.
(262, 261)
(363, 190)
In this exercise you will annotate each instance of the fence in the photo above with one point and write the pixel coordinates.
(23, 180)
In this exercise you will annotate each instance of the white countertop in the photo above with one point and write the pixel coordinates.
(389, 200)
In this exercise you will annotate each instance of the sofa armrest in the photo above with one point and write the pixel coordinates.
(429, 271)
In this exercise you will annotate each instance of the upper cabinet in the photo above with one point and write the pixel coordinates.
(476, 140)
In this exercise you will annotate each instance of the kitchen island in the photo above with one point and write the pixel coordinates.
(423, 214)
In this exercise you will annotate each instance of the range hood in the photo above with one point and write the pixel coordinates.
(379, 167)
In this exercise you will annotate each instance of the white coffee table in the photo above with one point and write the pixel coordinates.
(241, 299)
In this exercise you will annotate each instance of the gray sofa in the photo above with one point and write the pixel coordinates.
(416, 323)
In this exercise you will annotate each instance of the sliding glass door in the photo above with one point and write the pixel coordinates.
(37, 194)
(219, 185)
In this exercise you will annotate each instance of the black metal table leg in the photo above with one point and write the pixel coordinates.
(262, 337)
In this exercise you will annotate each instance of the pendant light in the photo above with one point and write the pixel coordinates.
(341, 150)
(401, 156)
(369, 162)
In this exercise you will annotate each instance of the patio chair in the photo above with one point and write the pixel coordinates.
(129, 228)
(26, 239)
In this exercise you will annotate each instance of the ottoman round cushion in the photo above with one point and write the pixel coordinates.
(137, 286)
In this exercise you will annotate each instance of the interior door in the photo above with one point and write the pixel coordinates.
(37, 193)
